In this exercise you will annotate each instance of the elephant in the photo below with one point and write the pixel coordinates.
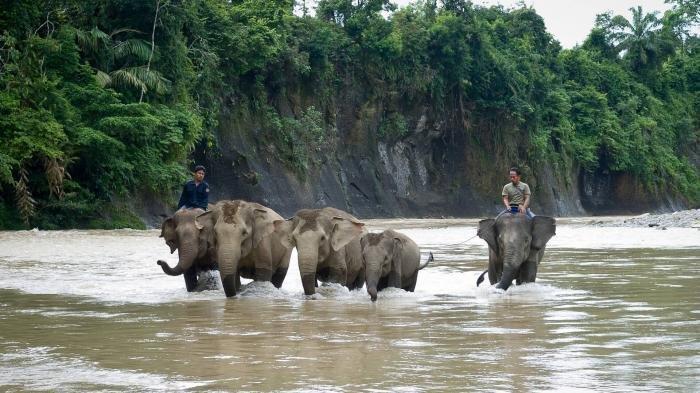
(245, 243)
(391, 259)
(516, 246)
(194, 256)
(328, 245)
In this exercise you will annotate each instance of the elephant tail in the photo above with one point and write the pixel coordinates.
(481, 278)
(430, 259)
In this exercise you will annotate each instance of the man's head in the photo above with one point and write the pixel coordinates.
(199, 173)
(514, 174)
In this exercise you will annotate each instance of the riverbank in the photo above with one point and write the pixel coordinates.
(678, 219)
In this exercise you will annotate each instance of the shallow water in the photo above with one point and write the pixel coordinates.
(614, 309)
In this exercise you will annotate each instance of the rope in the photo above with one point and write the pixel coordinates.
(454, 244)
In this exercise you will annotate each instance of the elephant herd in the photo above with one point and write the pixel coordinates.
(252, 241)
(249, 240)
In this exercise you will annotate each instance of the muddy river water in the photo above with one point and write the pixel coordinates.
(613, 309)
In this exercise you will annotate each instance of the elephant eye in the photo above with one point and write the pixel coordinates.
(323, 237)
(244, 232)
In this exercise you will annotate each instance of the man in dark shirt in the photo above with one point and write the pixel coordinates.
(195, 193)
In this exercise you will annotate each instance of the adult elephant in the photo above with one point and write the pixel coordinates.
(516, 246)
(391, 259)
(245, 243)
(328, 246)
(194, 256)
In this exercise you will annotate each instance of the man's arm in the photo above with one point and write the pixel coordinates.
(205, 200)
(526, 203)
(506, 203)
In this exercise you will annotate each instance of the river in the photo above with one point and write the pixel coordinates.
(613, 309)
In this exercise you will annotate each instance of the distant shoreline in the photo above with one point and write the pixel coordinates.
(678, 219)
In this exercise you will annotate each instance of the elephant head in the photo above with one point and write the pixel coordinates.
(318, 234)
(181, 234)
(516, 245)
(237, 227)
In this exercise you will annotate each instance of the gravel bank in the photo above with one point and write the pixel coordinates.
(679, 219)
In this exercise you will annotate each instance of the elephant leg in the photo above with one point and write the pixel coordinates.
(412, 283)
(238, 282)
(528, 270)
(382, 283)
(191, 279)
(338, 274)
(263, 263)
(495, 267)
(263, 274)
(359, 281)
(278, 277)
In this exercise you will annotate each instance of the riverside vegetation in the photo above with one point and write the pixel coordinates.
(106, 102)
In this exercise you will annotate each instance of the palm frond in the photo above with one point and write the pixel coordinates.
(140, 78)
(103, 79)
(124, 30)
(25, 203)
(55, 173)
(151, 78)
(92, 40)
(132, 47)
(126, 78)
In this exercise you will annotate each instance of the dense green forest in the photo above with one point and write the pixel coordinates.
(102, 102)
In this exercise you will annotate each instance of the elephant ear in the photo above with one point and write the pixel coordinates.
(285, 228)
(543, 228)
(395, 273)
(205, 223)
(167, 232)
(264, 224)
(206, 220)
(487, 231)
(344, 231)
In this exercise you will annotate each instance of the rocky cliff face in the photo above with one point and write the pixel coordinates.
(444, 165)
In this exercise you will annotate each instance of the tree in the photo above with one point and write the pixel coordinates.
(639, 41)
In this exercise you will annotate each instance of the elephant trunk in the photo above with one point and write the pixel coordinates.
(228, 256)
(372, 293)
(308, 261)
(372, 279)
(186, 256)
(510, 267)
(168, 270)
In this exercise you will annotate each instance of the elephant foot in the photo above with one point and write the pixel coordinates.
(191, 280)
(309, 283)
(229, 284)
(503, 286)
(278, 277)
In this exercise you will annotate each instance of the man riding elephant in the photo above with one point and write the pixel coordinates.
(516, 195)
(195, 193)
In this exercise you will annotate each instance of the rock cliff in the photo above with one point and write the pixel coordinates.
(451, 162)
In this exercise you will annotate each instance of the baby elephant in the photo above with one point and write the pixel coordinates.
(391, 259)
